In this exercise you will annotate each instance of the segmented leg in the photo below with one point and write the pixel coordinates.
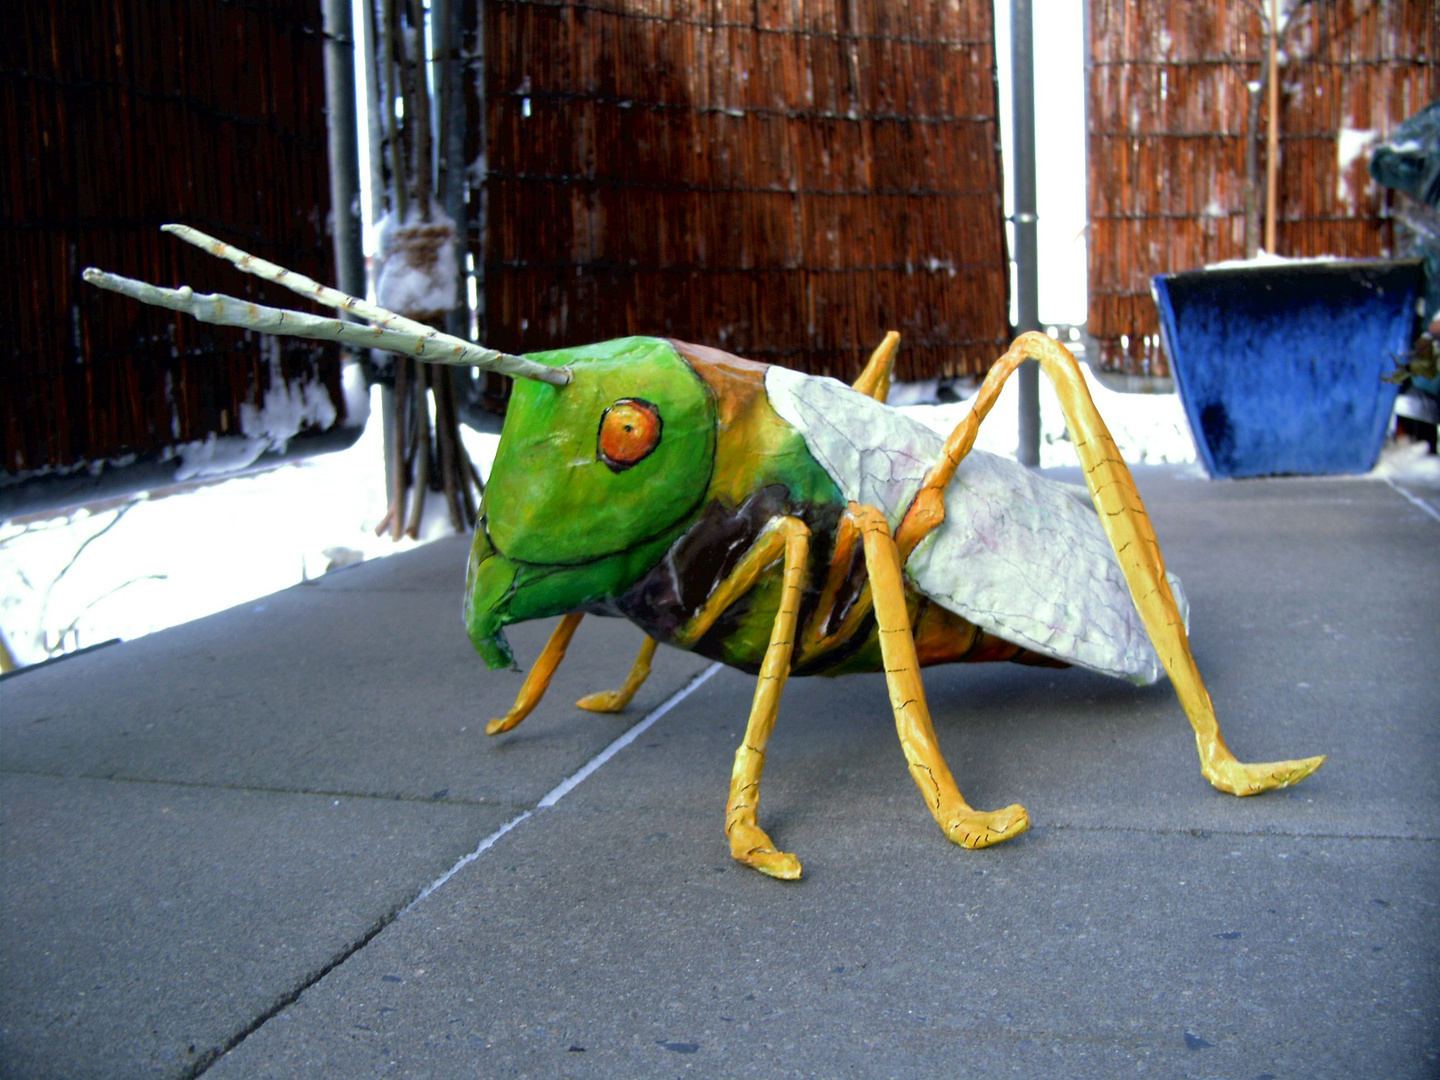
(874, 381)
(749, 843)
(768, 547)
(965, 826)
(1128, 526)
(610, 701)
(538, 681)
(827, 627)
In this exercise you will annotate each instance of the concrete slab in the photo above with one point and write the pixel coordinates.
(363, 684)
(147, 926)
(1146, 924)
(1418, 491)
(1092, 954)
(199, 823)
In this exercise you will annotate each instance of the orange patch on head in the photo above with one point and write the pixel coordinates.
(629, 431)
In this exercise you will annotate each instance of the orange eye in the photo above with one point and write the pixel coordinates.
(629, 430)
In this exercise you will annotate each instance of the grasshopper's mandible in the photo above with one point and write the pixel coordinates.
(786, 524)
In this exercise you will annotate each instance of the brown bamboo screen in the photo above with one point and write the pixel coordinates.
(1168, 124)
(118, 117)
(785, 180)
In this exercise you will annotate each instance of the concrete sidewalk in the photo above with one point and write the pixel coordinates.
(214, 839)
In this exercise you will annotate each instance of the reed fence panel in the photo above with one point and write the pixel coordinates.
(1169, 119)
(116, 118)
(785, 179)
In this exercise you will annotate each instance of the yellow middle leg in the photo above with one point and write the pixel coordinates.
(821, 632)
(965, 826)
(610, 701)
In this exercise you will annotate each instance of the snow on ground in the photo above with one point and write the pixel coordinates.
(151, 562)
(72, 581)
(1149, 429)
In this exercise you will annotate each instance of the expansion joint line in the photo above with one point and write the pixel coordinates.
(1421, 503)
(560, 790)
(553, 796)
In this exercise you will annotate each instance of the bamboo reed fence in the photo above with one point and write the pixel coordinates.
(1170, 117)
(119, 117)
(785, 179)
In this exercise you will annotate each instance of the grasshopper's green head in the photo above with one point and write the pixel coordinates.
(592, 482)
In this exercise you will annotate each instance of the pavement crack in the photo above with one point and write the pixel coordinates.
(202, 1064)
(1278, 834)
(403, 797)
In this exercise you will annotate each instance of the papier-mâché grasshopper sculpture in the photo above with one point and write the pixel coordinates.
(786, 524)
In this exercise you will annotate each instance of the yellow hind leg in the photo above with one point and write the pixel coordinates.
(1128, 526)
(874, 381)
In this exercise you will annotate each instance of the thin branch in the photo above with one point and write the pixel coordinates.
(119, 513)
(108, 593)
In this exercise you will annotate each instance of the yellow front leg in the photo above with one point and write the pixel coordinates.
(610, 701)
(749, 843)
(538, 681)
(965, 826)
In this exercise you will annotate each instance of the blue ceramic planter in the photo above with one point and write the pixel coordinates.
(1279, 367)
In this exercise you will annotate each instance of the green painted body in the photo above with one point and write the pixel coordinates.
(560, 531)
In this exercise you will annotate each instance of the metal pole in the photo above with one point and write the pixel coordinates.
(1272, 132)
(451, 126)
(365, 30)
(344, 147)
(1022, 75)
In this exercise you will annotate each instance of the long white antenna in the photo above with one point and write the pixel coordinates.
(390, 332)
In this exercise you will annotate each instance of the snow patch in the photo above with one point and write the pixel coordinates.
(174, 559)
(1264, 258)
(357, 395)
(215, 455)
(1350, 144)
(1407, 461)
(1148, 429)
(286, 407)
(419, 272)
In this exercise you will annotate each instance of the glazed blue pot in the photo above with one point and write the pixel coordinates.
(1280, 367)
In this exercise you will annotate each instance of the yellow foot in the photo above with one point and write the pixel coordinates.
(1240, 779)
(604, 701)
(504, 723)
(750, 845)
(978, 829)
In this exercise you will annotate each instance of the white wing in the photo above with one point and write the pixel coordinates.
(1018, 555)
